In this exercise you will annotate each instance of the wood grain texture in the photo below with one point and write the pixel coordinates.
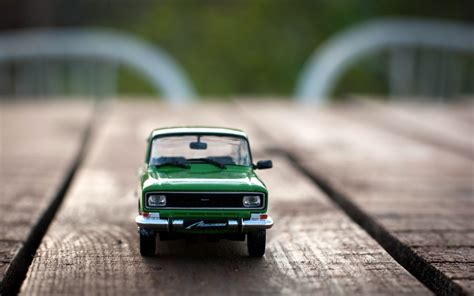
(447, 127)
(39, 143)
(92, 246)
(407, 192)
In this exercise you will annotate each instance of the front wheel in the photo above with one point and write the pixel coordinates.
(147, 242)
(256, 243)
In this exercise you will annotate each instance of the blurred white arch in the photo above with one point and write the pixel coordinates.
(322, 71)
(159, 68)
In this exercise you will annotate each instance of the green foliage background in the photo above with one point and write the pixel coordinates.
(259, 47)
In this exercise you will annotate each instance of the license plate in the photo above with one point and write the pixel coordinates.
(204, 224)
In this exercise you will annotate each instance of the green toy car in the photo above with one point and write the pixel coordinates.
(200, 182)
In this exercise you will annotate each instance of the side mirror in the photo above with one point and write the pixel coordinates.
(264, 164)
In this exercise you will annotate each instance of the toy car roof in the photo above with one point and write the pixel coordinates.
(197, 130)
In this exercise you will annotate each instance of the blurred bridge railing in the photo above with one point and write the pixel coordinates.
(425, 58)
(72, 61)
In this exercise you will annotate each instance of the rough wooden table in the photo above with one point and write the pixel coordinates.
(367, 199)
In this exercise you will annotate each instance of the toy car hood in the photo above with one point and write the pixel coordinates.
(189, 180)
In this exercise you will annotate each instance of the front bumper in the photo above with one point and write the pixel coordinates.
(234, 225)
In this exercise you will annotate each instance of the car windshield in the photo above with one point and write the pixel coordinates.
(214, 149)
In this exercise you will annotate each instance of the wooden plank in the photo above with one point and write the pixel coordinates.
(39, 145)
(403, 191)
(447, 127)
(92, 246)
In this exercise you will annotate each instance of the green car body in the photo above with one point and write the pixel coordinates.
(201, 178)
(213, 192)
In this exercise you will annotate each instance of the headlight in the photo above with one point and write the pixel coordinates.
(156, 200)
(252, 201)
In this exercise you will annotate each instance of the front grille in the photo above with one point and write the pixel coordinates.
(203, 200)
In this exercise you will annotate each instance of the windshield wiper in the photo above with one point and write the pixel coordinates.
(173, 163)
(208, 160)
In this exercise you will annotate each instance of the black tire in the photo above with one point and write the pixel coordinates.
(147, 243)
(256, 243)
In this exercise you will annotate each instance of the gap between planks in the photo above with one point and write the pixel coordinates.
(426, 273)
(18, 268)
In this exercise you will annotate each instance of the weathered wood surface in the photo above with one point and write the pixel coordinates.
(92, 246)
(448, 127)
(413, 193)
(39, 144)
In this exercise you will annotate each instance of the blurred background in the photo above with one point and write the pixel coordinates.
(405, 172)
(234, 48)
